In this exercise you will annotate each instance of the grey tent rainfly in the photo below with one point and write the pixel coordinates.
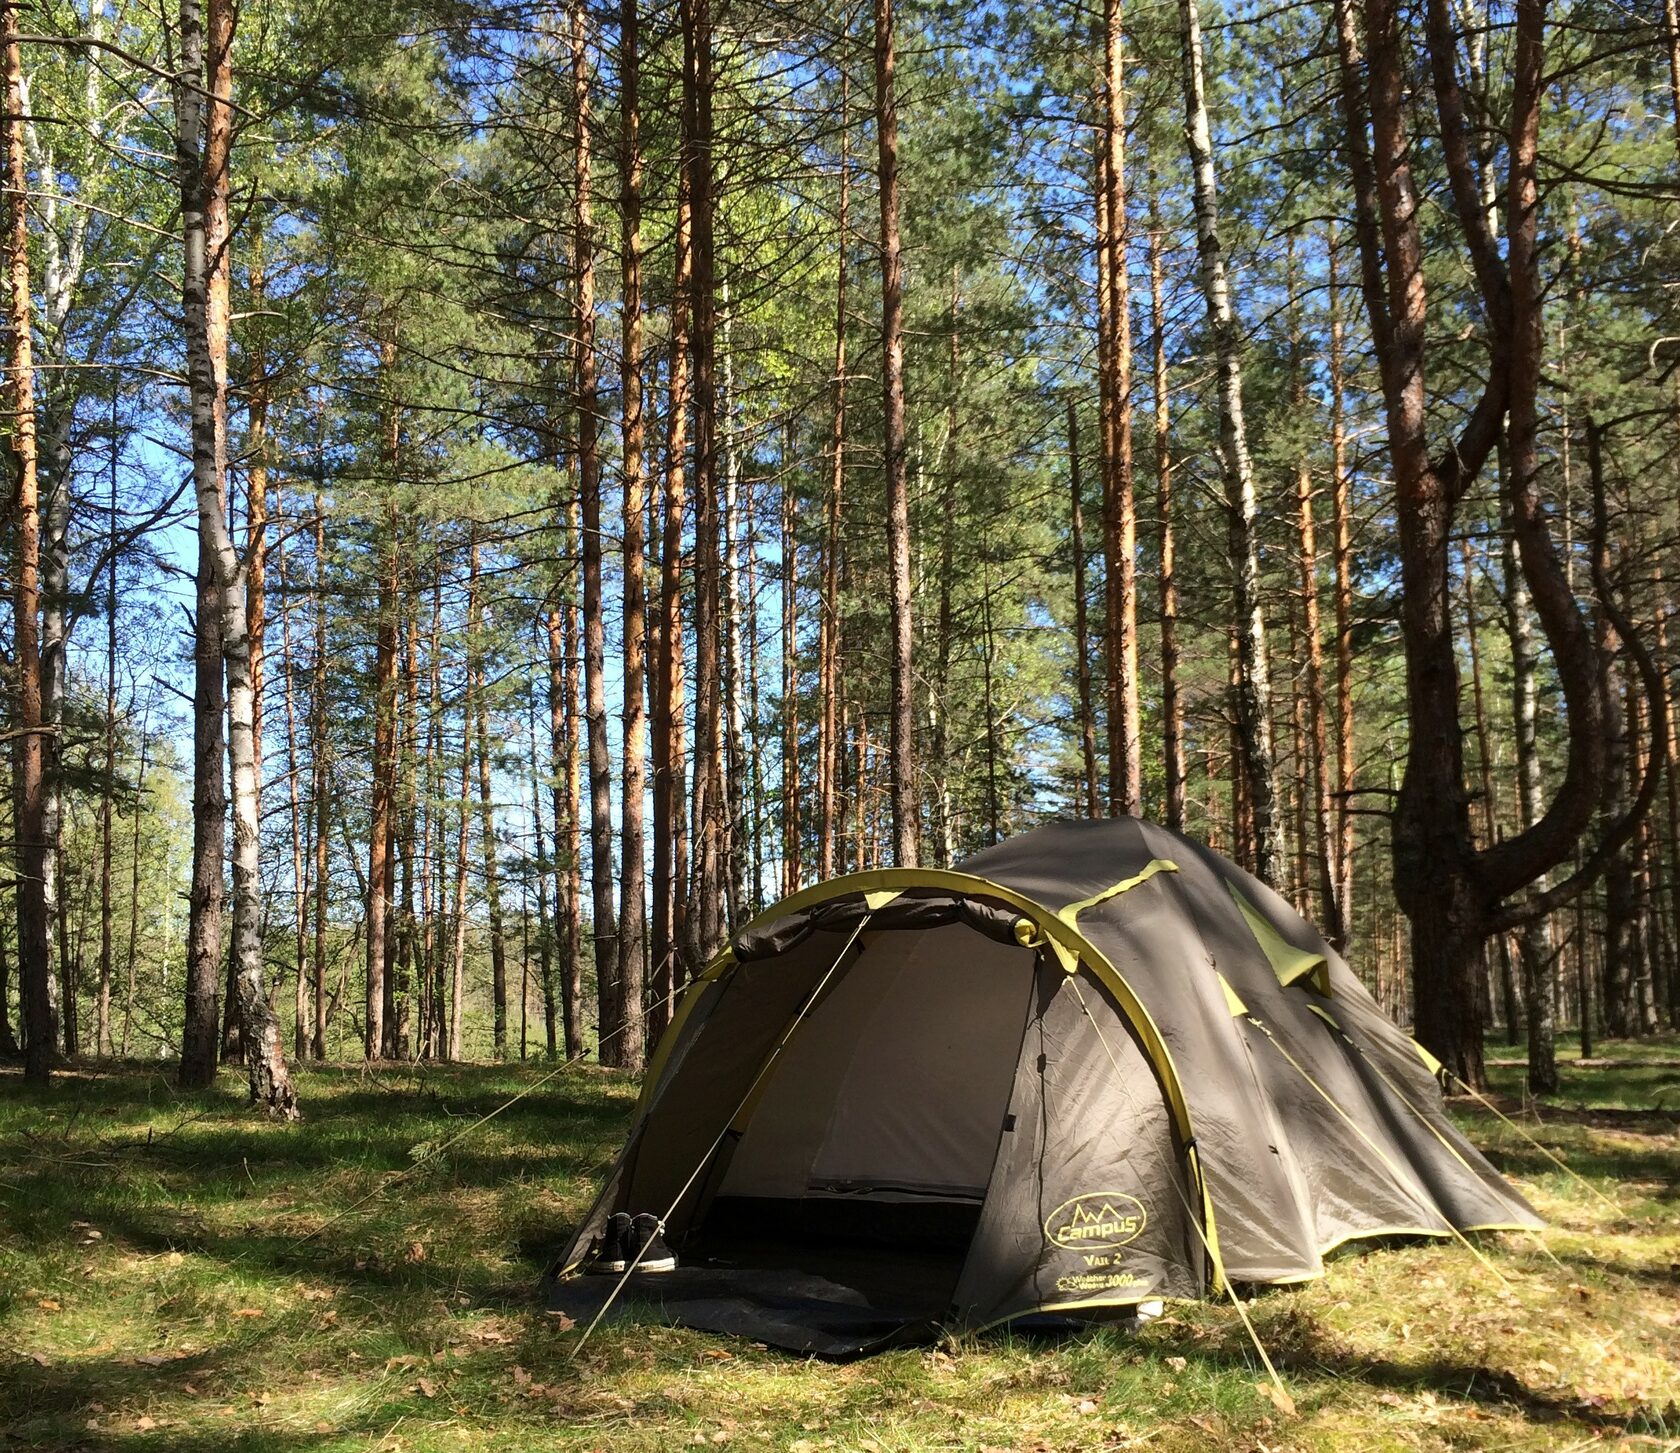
(1096, 1065)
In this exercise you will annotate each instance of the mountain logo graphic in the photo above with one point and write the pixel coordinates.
(1096, 1220)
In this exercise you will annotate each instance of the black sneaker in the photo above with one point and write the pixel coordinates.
(613, 1252)
(648, 1242)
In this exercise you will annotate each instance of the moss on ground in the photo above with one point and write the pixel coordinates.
(177, 1274)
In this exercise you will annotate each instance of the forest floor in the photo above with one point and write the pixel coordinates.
(157, 1293)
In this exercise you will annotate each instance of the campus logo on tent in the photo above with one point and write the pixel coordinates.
(1096, 1220)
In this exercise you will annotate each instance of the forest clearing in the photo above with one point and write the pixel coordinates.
(158, 1296)
(871, 725)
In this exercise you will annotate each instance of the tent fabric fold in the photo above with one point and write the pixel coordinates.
(1095, 1064)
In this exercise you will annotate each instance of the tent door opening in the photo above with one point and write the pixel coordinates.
(866, 1156)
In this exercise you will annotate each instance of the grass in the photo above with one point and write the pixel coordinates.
(156, 1293)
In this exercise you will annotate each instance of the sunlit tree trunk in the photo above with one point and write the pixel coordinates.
(1252, 686)
(589, 493)
(902, 767)
(1081, 626)
(1172, 710)
(487, 848)
(102, 1039)
(205, 197)
(628, 1049)
(383, 774)
(463, 802)
(571, 835)
(320, 785)
(732, 667)
(294, 807)
(706, 925)
(791, 786)
(1322, 847)
(1125, 757)
(29, 755)
(829, 748)
(670, 856)
(1342, 514)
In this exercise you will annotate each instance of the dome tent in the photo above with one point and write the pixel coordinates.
(1094, 1065)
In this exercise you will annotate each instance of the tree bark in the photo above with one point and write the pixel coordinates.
(294, 806)
(1332, 915)
(1172, 710)
(905, 814)
(383, 775)
(706, 927)
(829, 750)
(102, 1039)
(594, 622)
(1341, 510)
(487, 848)
(29, 754)
(463, 825)
(199, 1039)
(1125, 756)
(205, 195)
(1081, 626)
(1452, 894)
(670, 856)
(792, 832)
(320, 783)
(627, 1051)
(1253, 686)
(571, 672)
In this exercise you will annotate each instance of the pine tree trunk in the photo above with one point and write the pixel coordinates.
(1253, 688)
(1535, 948)
(829, 749)
(571, 839)
(431, 885)
(791, 786)
(383, 775)
(29, 753)
(1484, 757)
(9, 1046)
(1671, 38)
(108, 787)
(670, 856)
(205, 197)
(594, 621)
(706, 927)
(320, 787)
(294, 805)
(492, 877)
(1081, 626)
(905, 814)
(463, 800)
(199, 1034)
(1172, 710)
(732, 667)
(1341, 510)
(628, 1050)
(1332, 916)
(1125, 758)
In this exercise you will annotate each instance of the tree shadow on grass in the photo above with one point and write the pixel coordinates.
(1296, 1344)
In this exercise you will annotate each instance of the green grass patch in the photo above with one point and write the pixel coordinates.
(178, 1274)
